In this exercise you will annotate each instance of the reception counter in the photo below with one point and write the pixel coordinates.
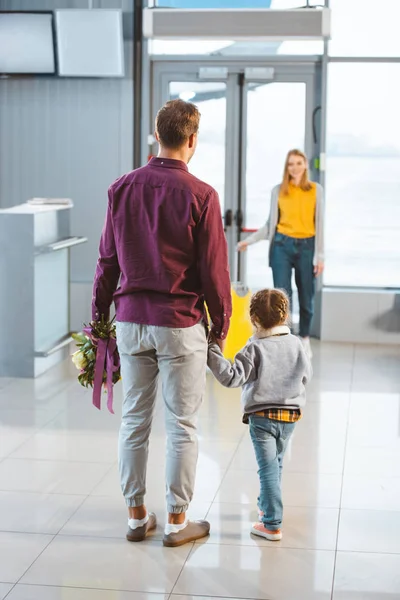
(35, 244)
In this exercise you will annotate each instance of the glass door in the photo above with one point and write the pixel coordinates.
(252, 114)
(208, 163)
(275, 122)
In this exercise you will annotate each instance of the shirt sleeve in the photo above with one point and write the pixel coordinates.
(107, 270)
(320, 237)
(233, 375)
(263, 232)
(213, 266)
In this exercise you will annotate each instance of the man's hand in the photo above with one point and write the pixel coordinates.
(318, 269)
(214, 340)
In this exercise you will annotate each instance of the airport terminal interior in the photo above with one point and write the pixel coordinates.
(80, 86)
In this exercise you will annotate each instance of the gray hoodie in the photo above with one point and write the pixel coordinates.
(273, 369)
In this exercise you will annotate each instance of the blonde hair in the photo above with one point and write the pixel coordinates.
(269, 308)
(305, 183)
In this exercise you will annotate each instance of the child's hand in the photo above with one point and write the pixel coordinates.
(211, 338)
(214, 340)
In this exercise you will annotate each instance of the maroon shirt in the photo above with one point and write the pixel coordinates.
(163, 241)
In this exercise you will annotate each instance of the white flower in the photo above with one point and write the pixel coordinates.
(79, 360)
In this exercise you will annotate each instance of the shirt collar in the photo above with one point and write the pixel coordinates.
(265, 333)
(169, 163)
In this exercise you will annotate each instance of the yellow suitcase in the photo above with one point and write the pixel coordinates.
(241, 329)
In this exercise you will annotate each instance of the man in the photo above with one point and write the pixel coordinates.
(163, 241)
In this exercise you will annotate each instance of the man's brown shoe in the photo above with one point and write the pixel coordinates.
(139, 534)
(194, 530)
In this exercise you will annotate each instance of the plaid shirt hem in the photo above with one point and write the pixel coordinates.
(285, 415)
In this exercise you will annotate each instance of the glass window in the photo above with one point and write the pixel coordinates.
(365, 28)
(214, 3)
(363, 175)
(275, 4)
(230, 48)
(208, 163)
(275, 124)
(226, 47)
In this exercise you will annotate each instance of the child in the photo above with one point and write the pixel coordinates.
(273, 369)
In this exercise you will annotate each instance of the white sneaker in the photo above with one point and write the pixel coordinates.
(307, 346)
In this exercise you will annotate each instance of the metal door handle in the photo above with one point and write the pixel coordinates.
(228, 218)
(239, 218)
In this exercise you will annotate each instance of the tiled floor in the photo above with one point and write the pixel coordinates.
(63, 521)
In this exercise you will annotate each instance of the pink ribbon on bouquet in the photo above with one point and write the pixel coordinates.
(107, 360)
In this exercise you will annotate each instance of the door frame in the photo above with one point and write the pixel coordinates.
(292, 69)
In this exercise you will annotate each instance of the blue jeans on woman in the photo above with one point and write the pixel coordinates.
(270, 439)
(289, 253)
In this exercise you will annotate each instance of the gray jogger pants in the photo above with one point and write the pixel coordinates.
(180, 357)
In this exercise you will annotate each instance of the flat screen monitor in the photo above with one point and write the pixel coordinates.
(26, 43)
(90, 43)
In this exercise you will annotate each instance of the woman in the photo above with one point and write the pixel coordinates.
(295, 232)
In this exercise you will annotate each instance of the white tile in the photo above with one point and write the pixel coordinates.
(257, 572)
(60, 436)
(312, 528)
(298, 489)
(318, 390)
(377, 462)
(4, 589)
(11, 440)
(17, 552)
(231, 430)
(38, 592)
(304, 489)
(324, 458)
(48, 391)
(36, 513)
(374, 493)
(48, 476)
(101, 516)
(367, 576)
(80, 416)
(106, 516)
(366, 381)
(376, 356)
(324, 426)
(211, 452)
(108, 564)
(30, 419)
(369, 531)
(298, 458)
(18, 425)
(78, 447)
(192, 597)
(208, 481)
(374, 420)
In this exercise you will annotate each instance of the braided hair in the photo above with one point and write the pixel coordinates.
(269, 308)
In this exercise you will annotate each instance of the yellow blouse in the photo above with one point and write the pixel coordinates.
(297, 212)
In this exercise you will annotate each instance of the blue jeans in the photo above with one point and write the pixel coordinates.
(289, 253)
(270, 439)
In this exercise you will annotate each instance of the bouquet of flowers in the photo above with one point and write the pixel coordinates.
(97, 359)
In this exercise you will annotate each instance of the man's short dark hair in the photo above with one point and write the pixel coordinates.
(176, 121)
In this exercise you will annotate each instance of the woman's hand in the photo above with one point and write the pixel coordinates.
(319, 267)
(242, 246)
